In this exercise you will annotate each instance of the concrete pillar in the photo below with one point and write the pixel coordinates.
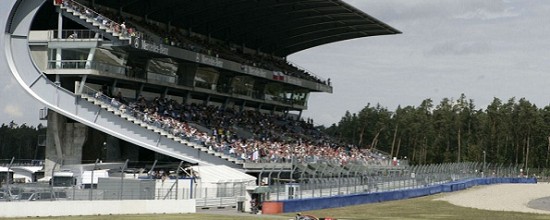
(90, 58)
(186, 73)
(64, 141)
(130, 151)
(59, 36)
(111, 149)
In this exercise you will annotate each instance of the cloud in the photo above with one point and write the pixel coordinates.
(483, 14)
(460, 48)
(425, 11)
(13, 111)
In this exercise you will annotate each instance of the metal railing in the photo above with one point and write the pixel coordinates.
(173, 79)
(75, 35)
(310, 73)
(87, 64)
(103, 20)
(140, 117)
(171, 127)
(329, 180)
(135, 183)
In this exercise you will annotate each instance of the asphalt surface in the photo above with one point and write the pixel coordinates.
(540, 204)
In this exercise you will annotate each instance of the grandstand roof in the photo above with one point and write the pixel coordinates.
(279, 27)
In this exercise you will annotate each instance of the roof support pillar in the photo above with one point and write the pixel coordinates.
(165, 93)
(225, 103)
(207, 101)
(82, 83)
(187, 97)
(242, 106)
(140, 90)
(113, 87)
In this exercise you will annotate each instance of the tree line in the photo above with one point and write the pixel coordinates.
(21, 141)
(511, 132)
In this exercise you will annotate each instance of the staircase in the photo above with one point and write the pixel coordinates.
(104, 103)
(94, 21)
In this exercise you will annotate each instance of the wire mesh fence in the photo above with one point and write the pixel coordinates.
(329, 180)
(310, 180)
(116, 181)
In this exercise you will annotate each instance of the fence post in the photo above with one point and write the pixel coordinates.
(9, 177)
(177, 179)
(205, 195)
(122, 178)
(53, 179)
(92, 180)
(152, 168)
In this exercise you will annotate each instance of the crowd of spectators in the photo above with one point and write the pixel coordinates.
(103, 17)
(243, 134)
(176, 37)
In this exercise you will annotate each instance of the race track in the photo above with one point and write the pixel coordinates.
(530, 198)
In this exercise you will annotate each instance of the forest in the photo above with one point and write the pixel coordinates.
(21, 142)
(505, 132)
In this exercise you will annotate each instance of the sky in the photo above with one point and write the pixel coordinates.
(480, 48)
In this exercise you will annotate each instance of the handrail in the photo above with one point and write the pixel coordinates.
(87, 64)
(188, 44)
(75, 35)
(142, 117)
(103, 20)
(179, 130)
(319, 78)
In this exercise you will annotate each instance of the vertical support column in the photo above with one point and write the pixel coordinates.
(186, 73)
(59, 36)
(187, 98)
(64, 141)
(138, 92)
(243, 105)
(113, 87)
(225, 103)
(90, 58)
(81, 86)
(207, 101)
(165, 93)
(111, 151)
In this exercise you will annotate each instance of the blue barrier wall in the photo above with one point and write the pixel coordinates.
(298, 205)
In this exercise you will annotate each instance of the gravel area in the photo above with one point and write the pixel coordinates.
(531, 198)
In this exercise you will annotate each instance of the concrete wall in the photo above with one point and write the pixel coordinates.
(66, 208)
(298, 205)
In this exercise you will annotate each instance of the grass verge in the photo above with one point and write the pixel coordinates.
(425, 208)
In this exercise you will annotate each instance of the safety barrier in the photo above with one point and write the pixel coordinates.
(298, 205)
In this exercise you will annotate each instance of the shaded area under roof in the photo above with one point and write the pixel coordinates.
(278, 27)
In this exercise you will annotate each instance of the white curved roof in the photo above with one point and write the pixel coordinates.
(31, 169)
(221, 173)
(5, 169)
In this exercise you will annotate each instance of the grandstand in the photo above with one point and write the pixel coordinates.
(204, 82)
(205, 86)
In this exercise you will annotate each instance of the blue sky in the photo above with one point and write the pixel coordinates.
(482, 48)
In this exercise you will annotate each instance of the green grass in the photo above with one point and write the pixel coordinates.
(418, 208)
